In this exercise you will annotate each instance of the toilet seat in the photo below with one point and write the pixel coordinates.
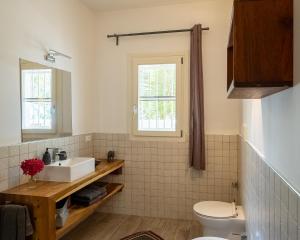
(216, 209)
(209, 238)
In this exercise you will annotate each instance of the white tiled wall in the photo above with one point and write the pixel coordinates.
(12, 156)
(158, 180)
(272, 207)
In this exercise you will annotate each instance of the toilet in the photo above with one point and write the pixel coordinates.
(220, 220)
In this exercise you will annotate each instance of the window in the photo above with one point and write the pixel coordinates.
(38, 100)
(157, 96)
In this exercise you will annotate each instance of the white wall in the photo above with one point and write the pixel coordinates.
(27, 29)
(221, 115)
(273, 123)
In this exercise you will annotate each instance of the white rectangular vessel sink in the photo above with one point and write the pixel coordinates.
(68, 170)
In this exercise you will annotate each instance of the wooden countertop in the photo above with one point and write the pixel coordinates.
(59, 190)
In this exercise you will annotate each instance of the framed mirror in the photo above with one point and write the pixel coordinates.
(46, 102)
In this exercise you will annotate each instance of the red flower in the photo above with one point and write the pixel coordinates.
(32, 166)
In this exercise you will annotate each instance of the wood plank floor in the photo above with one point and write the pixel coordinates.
(102, 226)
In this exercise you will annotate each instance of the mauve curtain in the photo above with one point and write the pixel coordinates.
(197, 136)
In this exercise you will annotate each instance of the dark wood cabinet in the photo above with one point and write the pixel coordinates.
(260, 48)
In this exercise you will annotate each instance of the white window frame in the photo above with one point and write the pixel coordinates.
(135, 61)
(53, 102)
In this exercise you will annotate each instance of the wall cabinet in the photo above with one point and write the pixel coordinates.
(260, 48)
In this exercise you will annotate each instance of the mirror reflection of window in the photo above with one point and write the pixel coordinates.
(38, 100)
(46, 100)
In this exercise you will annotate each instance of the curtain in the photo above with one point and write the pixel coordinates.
(197, 136)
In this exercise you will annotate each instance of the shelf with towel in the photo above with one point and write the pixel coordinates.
(41, 198)
(77, 213)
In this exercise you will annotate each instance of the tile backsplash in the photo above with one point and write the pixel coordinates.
(159, 182)
(12, 156)
(272, 207)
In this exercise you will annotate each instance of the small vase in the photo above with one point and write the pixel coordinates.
(32, 181)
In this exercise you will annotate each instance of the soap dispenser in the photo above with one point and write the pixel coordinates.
(47, 157)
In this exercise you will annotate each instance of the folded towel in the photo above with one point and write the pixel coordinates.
(81, 199)
(90, 193)
(15, 222)
(100, 184)
(84, 202)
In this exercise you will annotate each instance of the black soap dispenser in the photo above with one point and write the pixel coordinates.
(47, 157)
(110, 156)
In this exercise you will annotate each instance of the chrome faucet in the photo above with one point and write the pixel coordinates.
(56, 152)
(62, 155)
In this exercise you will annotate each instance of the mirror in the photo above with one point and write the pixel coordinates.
(46, 102)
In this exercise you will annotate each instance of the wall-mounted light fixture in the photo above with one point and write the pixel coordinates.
(50, 57)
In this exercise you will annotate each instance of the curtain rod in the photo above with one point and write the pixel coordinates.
(117, 36)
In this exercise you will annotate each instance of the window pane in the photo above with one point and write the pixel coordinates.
(157, 80)
(37, 99)
(157, 97)
(37, 83)
(38, 115)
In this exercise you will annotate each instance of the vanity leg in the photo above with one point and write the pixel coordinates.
(44, 219)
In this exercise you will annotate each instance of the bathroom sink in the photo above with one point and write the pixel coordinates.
(68, 170)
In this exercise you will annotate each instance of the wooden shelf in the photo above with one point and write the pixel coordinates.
(77, 214)
(236, 91)
(60, 190)
(41, 199)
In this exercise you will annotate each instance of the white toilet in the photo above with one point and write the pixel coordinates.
(220, 220)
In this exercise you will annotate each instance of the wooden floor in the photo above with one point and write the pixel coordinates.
(102, 226)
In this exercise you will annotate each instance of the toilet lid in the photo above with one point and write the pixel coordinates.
(209, 238)
(215, 209)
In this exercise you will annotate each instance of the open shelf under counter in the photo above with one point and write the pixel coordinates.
(41, 198)
(77, 214)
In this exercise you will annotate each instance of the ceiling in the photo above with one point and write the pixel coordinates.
(111, 5)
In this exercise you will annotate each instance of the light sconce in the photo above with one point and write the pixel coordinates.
(50, 57)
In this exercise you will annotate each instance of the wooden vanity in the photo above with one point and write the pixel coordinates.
(41, 198)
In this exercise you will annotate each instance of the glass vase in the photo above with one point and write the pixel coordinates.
(32, 181)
